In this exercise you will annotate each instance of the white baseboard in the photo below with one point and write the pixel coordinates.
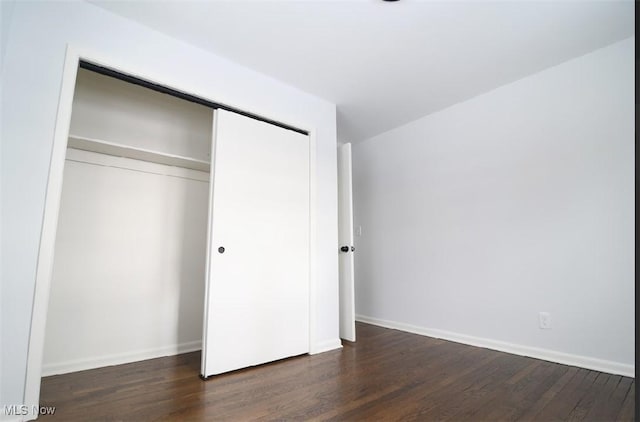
(118, 359)
(601, 365)
(325, 346)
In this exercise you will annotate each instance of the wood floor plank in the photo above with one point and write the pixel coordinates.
(429, 380)
(627, 413)
(586, 402)
(548, 396)
(465, 404)
(568, 397)
(609, 410)
(386, 375)
(418, 397)
(512, 402)
(602, 399)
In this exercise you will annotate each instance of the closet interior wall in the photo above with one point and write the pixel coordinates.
(129, 271)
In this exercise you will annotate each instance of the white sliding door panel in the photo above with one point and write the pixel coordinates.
(258, 288)
(345, 236)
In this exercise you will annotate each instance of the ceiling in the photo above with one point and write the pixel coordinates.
(387, 63)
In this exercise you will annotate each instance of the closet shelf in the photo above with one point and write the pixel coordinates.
(119, 150)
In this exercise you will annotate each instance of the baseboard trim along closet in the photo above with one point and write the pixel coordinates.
(119, 359)
(516, 349)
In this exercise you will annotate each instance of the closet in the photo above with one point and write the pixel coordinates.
(158, 251)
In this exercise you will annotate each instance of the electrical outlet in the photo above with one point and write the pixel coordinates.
(544, 318)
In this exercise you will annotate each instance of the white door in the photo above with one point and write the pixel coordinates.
(257, 296)
(345, 236)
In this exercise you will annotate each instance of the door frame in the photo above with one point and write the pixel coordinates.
(44, 268)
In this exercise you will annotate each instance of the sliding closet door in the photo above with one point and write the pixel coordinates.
(257, 300)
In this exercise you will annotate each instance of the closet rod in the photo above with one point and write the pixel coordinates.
(175, 93)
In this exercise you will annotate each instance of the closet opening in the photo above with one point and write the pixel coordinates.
(128, 276)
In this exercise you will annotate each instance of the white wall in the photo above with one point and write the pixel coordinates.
(39, 34)
(128, 277)
(476, 218)
(6, 12)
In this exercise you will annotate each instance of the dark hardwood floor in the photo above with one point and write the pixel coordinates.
(386, 375)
